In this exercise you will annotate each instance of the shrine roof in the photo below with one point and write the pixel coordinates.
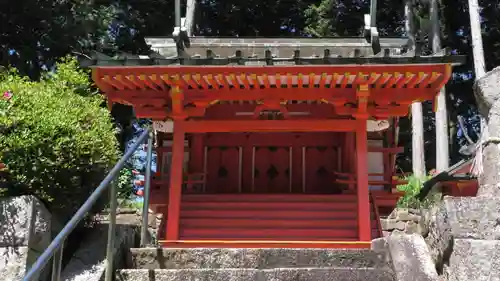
(326, 70)
(273, 51)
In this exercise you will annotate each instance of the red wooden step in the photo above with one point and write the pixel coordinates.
(276, 214)
(268, 233)
(270, 205)
(267, 198)
(266, 223)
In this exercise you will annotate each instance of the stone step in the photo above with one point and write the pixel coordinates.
(196, 258)
(276, 274)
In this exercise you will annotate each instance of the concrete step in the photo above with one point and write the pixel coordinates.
(276, 274)
(204, 258)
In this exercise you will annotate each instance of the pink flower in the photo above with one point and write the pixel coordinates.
(7, 95)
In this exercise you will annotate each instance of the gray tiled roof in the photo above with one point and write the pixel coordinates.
(273, 51)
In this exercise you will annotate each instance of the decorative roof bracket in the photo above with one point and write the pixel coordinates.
(371, 32)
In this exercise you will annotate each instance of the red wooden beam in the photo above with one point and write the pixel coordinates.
(268, 126)
(282, 70)
(364, 221)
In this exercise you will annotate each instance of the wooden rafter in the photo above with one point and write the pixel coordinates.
(391, 88)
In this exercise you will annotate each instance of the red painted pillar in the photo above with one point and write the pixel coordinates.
(175, 186)
(364, 218)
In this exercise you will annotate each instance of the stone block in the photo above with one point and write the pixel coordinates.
(413, 228)
(25, 232)
(487, 93)
(158, 258)
(411, 257)
(403, 214)
(13, 262)
(391, 224)
(477, 260)
(473, 217)
(24, 222)
(245, 274)
(487, 90)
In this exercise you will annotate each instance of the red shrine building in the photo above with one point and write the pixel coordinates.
(272, 142)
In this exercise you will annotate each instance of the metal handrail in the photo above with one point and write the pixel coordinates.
(55, 249)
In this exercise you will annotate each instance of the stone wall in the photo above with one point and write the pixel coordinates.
(409, 221)
(404, 230)
(464, 238)
(25, 232)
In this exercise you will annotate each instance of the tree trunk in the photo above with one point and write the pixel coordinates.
(477, 40)
(190, 16)
(418, 159)
(442, 148)
(480, 71)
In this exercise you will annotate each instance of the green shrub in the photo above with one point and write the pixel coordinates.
(56, 139)
(411, 190)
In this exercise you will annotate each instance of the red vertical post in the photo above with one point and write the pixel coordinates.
(364, 217)
(175, 192)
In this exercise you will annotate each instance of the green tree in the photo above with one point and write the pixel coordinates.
(34, 34)
(56, 139)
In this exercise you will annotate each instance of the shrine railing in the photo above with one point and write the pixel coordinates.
(55, 250)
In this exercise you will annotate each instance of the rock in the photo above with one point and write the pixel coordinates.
(417, 212)
(489, 180)
(462, 218)
(13, 261)
(412, 228)
(473, 217)
(25, 232)
(403, 214)
(477, 260)
(411, 257)
(391, 224)
(439, 238)
(24, 222)
(487, 92)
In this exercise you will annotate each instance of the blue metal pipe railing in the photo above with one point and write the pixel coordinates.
(54, 250)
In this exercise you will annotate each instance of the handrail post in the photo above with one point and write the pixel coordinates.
(56, 263)
(147, 191)
(111, 231)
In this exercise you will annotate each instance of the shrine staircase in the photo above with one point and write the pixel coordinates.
(281, 218)
(271, 264)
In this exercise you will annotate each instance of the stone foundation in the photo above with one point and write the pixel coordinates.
(408, 221)
(464, 238)
(152, 264)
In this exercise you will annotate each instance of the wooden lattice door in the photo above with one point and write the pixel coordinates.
(223, 172)
(272, 170)
(320, 162)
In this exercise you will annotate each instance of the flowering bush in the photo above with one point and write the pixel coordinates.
(56, 139)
